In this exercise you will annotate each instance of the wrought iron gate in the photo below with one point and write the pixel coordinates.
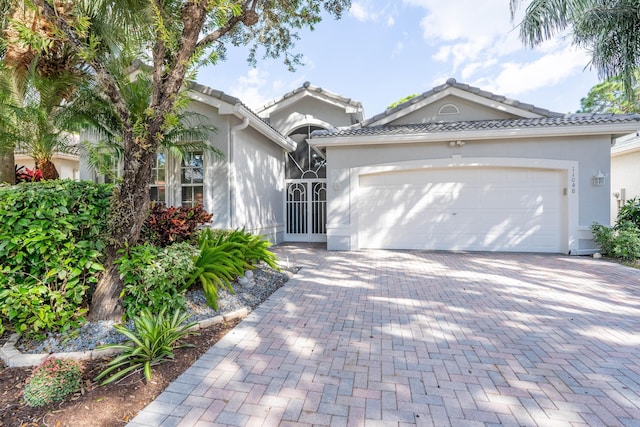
(306, 210)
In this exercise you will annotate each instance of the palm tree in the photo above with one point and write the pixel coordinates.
(7, 134)
(32, 107)
(35, 81)
(91, 113)
(610, 29)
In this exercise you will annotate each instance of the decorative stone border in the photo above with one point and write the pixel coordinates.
(13, 358)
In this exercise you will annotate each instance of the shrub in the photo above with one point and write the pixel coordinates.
(51, 242)
(172, 225)
(255, 248)
(224, 255)
(52, 381)
(151, 342)
(622, 241)
(217, 266)
(154, 277)
(630, 212)
(24, 174)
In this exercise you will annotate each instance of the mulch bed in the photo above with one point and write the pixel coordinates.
(107, 406)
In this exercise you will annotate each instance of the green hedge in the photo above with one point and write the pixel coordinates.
(51, 241)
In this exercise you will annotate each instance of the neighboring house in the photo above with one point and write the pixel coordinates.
(67, 164)
(625, 171)
(456, 168)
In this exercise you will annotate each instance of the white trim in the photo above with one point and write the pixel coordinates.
(455, 110)
(570, 222)
(627, 147)
(475, 135)
(304, 120)
(460, 94)
(321, 96)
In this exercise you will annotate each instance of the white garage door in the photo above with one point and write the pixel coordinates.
(466, 208)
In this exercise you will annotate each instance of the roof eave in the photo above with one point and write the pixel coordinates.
(240, 111)
(328, 97)
(624, 149)
(475, 135)
(442, 92)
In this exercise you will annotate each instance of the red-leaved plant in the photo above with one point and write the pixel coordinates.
(167, 225)
(24, 174)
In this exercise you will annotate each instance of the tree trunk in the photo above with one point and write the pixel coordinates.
(129, 209)
(48, 169)
(7, 166)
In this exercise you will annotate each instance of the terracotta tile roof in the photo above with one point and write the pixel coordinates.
(482, 125)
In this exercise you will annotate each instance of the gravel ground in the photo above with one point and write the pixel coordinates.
(250, 292)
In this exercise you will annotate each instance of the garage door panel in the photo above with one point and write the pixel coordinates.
(504, 209)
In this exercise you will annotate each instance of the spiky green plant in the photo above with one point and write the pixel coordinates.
(255, 248)
(151, 342)
(218, 264)
(225, 255)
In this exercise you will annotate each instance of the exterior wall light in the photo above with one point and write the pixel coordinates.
(598, 178)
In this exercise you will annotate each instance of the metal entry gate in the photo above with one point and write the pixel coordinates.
(306, 210)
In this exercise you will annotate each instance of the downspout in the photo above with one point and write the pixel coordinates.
(231, 194)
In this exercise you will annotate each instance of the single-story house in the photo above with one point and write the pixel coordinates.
(625, 171)
(246, 187)
(456, 168)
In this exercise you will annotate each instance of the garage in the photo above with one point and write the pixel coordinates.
(509, 209)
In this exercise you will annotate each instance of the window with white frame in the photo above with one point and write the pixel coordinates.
(192, 178)
(158, 185)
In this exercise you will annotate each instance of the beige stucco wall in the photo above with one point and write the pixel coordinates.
(309, 111)
(216, 188)
(68, 167)
(589, 154)
(258, 189)
(625, 175)
(468, 111)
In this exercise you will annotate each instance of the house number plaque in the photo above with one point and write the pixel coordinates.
(573, 180)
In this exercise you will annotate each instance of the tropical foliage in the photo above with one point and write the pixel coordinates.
(174, 37)
(623, 239)
(609, 29)
(168, 225)
(630, 212)
(154, 277)
(609, 97)
(225, 255)
(151, 342)
(52, 236)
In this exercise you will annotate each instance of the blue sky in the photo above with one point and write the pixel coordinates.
(383, 50)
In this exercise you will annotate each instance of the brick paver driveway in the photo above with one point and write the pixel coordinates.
(417, 338)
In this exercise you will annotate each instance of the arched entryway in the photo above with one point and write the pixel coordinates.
(306, 190)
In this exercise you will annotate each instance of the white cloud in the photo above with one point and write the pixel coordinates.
(256, 88)
(477, 41)
(249, 88)
(549, 70)
(397, 50)
(370, 10)
(359, 12)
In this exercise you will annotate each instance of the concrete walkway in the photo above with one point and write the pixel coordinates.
(394, 338)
